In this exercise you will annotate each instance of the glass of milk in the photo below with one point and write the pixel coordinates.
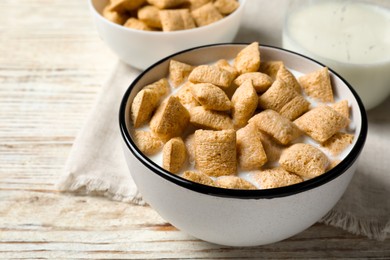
(350, 37)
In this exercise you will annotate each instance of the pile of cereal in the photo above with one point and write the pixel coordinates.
(167, 15)
(251, 124)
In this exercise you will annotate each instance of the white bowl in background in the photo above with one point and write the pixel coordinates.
(141, 49)
(240, 217)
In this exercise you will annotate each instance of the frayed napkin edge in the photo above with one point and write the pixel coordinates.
(82, 185)
(369, 228)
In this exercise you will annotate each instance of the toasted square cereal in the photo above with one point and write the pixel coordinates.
(215, 152)
(149, 15)
(198, 177)
(234, 182)
(174, 155)
(134, 23)
(206, 14)
(226, 7)
(278, 95)
(287, 77)
(332, 164)
(178, 72)
(250, 151)
(195, 4)
(185, 96)
(338, 142)
(224, 64)
(321, 123)
(203, 118)
(144, 104)
(277, 126)
(161, 87)
(295, 108)
(147, 142)
(272, 148)
(342, 107)
(304, 160)
(189, 141)
(248, 59)
(176, 19)
(211, 74)
(125, 5)
(170, 118)
(317, 85)
(164, 4)
(260, 81)
(114, 16)
(271, 68)
(244, 102)
(211, 97)
(275, 178)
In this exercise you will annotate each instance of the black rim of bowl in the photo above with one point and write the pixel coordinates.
(244, 194)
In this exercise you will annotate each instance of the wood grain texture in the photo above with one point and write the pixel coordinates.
(52, 64)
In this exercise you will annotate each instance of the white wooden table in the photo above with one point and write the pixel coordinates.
(52, 65)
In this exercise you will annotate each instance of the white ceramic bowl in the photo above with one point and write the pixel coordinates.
(141, 49)
(240, 217)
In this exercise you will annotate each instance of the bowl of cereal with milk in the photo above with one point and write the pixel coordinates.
(241, 144)
(141, 32)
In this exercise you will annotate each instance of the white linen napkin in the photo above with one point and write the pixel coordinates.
(96, 164)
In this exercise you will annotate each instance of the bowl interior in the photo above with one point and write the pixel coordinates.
(293, 61)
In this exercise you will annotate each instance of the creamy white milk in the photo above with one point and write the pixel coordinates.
(350, 37)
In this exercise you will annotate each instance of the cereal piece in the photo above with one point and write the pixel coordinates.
(211, 97)
(190, 146)
(211, 74)
(271, 68)
(144, 103)
(277, 96)
(279, 127)
(317, 85)
(195, 4)
(202, 118)
(149, 15)
(178, 72)
(148, 143)
(234, 182)
(304, 160)
(248, 59)
(176, 19)
(333, 164)
(272, 149)
(185, 96)
(224, 64)
(134, 23)
(341, 107)
(164, 4)
(226, 7)
(260, 81)
(215, 152)
(244, 102)
(275, 178)
(161, 87)
(295, 108)
(174, 155)
(287, 77)
(321, 123)
(206, 14)
(170, 118)
(113, 16)
(250, 151)
(198, 177)
(338, 142)
(125, 5)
